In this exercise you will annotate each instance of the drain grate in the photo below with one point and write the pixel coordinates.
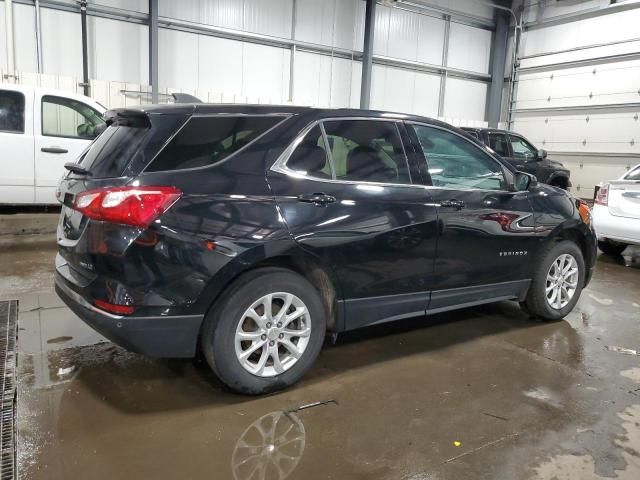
(8, 321)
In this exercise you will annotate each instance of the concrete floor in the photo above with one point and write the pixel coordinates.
(483, 393)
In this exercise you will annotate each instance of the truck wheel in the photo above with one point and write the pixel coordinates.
(557, 281)
(265, 331)
(614, 249)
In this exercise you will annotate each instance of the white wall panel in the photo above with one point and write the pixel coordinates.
(265, 73)
(590, 31)
(469, 48)
(24, 44)
(314, 21)
(135, 5)
(178, 64)
(404, 91)
(107, 40)
(465, 99)
(272, 17)
(3, 44)
(430, 40)
(222, 13)
(187, 10)
(323, 81)
(61, 42)
(425, 95)
(349, 24)
(220, 66)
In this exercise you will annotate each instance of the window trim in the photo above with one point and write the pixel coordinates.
(280, 165)
(285, 117)
(72, 137)
(508, 175)
(24, 113)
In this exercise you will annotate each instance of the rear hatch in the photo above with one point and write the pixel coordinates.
(624, 198)
(114, 159)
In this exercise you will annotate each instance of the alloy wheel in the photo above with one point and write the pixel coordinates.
(272, 334)
(562, 281)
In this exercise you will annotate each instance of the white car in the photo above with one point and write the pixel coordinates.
(41, 130)
(616, 213)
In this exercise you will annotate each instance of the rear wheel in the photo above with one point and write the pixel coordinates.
(265, 332)
(611, 248)
(557, 282)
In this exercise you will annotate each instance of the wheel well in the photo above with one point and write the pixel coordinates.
(575, 237)
(562, 182)
(314, 272)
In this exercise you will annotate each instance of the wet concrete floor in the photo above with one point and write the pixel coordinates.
(481, 393)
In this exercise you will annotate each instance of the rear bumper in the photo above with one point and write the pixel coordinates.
(159, 336)
(621, 229)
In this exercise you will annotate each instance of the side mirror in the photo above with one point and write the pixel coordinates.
(524, 181)
(541, 154)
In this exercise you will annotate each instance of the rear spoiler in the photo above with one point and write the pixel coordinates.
(185, 98)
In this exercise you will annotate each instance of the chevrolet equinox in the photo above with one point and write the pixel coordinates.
(248, 233)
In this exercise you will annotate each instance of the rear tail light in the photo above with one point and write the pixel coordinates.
(602, 197)
(113, 307)
(136, 206)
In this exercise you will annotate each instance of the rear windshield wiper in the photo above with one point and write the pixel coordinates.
(79, 169)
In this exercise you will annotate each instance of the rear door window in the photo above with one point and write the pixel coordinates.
(205, 141)
(11, 111)
(498, 143)
(367, 151)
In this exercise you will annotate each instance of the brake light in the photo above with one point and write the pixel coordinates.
(136, 206)
(114, 308)
(602, 197)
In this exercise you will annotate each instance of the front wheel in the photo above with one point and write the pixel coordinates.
(609, 247)
(265, 332)
(557, 282)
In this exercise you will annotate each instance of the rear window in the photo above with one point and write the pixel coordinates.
(110, 153)
(204, 141)
(11, 111)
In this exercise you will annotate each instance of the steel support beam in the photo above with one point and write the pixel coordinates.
(292, 56)
(38, 37)
(153, 49)
(8, 21)
(85, 48)
(498, 64)
(445, 60)
(367, 56)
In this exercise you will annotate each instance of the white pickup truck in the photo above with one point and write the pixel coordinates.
(40, 131)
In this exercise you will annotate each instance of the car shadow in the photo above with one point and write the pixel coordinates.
(135, 384)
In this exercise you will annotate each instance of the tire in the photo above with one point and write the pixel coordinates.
(228, 320)
(614, 249)
(537, 304)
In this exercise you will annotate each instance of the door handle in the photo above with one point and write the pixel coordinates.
(54, 150)
(453, 203)
(316, 198)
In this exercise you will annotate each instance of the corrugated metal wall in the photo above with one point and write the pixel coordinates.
(222, 69)
(578, 90)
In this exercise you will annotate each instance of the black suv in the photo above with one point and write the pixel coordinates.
(520, 153)
(249, 232)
